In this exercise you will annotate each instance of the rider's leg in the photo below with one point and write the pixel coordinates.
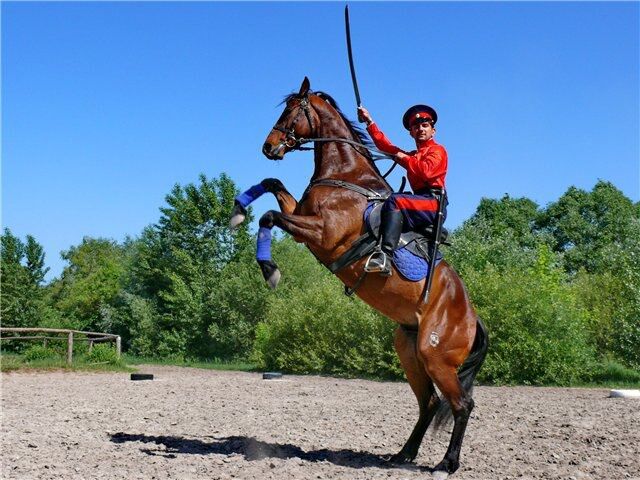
(400, 211)
(390, 229)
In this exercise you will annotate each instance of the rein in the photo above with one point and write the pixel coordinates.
(295, 143)
(379, 154)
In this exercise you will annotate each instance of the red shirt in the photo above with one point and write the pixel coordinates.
(426, 167)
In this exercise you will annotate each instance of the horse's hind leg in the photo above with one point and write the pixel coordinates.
(444, 373)
(405, 343)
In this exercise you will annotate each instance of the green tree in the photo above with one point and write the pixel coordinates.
(178, 265)
(514, 217)
(34, 254)
(500, 233)
(237, 305)
(15, 283)
(22, 300)
(89, 284)
(135, 319)
(310, 326)
(536, 325)
(627, 320)
(596, 233)
(612, 296)
(12, 248)
(583, 224)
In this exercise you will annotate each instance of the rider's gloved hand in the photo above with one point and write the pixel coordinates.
(364, 116)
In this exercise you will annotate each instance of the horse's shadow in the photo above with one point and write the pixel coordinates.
(253, 449)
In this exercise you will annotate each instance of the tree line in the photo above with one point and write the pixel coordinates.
(558, 287)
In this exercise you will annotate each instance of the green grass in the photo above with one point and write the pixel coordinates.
(608, 374)
(611, 374)
(214, 364)
(13, 362)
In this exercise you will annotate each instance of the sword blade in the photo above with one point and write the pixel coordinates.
(351, 66)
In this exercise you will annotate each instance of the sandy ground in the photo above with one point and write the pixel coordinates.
(204, 424)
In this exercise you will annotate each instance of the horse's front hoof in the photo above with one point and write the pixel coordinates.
(270, 272)
(274, 279)
(238, 215)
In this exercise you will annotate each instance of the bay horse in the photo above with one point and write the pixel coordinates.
(441, 343)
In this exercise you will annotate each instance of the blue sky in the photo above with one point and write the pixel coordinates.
(105, 106)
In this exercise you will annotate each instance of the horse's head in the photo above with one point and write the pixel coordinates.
(298, 120)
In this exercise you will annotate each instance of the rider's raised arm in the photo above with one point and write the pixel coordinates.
(381, 140)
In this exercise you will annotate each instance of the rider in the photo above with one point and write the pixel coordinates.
(426, 170)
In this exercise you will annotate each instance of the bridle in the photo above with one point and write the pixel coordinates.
(293, 142)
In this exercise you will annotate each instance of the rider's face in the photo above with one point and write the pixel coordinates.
(422, 132)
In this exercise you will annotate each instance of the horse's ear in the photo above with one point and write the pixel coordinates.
(304, 88)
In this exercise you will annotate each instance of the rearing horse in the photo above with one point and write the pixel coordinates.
(442, 342)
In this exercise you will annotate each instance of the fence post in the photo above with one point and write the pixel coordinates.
(90, 345)
(70, 349)
(118, 347)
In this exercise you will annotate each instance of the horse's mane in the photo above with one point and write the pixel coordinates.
(358, 133)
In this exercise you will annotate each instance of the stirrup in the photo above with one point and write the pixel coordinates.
(374, 265)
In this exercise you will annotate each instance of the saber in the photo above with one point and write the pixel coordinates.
(442, 198)
(353, 70)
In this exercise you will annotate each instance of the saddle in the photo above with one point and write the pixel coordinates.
(412, 255)
(414, 241)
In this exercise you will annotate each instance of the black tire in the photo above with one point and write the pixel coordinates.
(271, 375)
(141, 376)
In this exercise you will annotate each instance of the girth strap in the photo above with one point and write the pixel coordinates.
(361, 247)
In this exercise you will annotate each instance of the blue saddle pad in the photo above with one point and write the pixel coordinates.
(411, 266)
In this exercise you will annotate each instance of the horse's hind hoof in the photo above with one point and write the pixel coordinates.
(439, 475)
(398, 459)
(270, 272)
(238, 215)
(445, 467)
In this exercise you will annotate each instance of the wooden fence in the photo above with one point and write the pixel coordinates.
(71, 336)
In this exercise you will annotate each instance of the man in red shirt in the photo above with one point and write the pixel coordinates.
(426, 170)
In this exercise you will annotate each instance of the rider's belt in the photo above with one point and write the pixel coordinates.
(435, 191)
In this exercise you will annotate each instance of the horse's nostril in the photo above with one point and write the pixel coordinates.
(266, 148)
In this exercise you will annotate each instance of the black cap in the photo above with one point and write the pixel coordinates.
(421, 113)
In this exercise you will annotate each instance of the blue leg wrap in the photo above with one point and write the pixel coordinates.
(250, 195)
(264, 244)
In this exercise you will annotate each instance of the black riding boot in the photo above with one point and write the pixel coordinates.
(390, 230)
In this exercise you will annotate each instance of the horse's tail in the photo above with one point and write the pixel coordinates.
(466, 374)
(474, 361)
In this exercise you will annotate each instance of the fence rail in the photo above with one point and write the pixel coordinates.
(71, 336)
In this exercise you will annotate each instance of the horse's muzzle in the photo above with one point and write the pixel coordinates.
(272, 153)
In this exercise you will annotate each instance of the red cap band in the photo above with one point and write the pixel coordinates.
(419, 118)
